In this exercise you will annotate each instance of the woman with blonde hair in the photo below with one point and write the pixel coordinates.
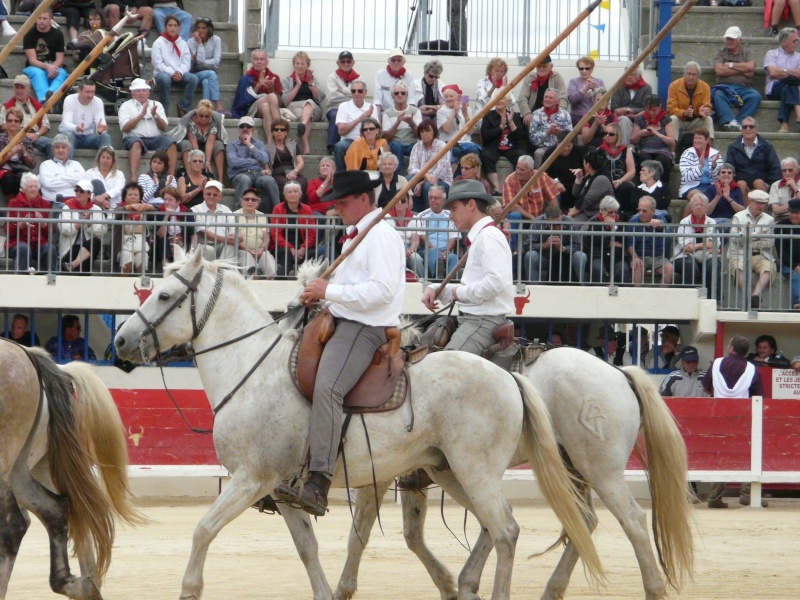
(105, 170)
(363, 154)
(202, 129)
(496, 77)
(302, 96)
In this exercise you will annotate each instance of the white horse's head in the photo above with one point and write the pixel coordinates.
(177, 311)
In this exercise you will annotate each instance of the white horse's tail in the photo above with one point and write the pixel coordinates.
(101, 430)
(665, 461)
(557, 485)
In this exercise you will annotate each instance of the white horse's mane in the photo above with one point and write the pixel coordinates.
(310, 269)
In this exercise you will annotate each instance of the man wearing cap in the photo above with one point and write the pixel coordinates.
(531, 96)
(386, 78)
(668, 348)
(59, 175)
(29, 107)
(143, 123)
(83, 119)
(734, 66)
(758, 255)
(44, 56)
(249, 166)
(485, 294)
(611, 347)
(338, 87)
(732, 376)
(686, 382)
(220, 240)
(80, 242)
(789, 248)
(349, 117)
(364, 296)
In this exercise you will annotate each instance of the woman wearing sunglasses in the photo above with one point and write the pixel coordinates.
(285, 158)
(363, 154)
(581, 90)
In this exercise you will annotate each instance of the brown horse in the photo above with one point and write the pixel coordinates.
(55, 426)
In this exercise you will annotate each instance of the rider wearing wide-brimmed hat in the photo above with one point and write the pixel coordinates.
(365, 296)
(485, 294)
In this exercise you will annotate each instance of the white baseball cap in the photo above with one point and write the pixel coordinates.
(85, 185)
(214, 183)
(733, 33)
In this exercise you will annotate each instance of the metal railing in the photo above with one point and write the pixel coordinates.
(511, 28)
(580, 257)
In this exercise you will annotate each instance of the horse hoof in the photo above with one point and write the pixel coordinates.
(82, 588)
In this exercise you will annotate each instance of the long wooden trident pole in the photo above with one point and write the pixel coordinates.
(66, 86)
(575, 130)
(30, 22)
(468, 126)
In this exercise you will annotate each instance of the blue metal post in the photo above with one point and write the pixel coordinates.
(663, 55)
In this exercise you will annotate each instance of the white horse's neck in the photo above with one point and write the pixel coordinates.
(235, 314)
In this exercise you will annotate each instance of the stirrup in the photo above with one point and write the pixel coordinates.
(296, 496)
(416, 481)
(267, 505)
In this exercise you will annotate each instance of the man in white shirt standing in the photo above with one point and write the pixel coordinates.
(365, 296)
(83, 119)
(486, 292)
(143, 122)
(349, 118)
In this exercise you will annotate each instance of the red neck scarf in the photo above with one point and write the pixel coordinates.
(400, 221)
(74, 205)
(497, 83)
(705, 154)
(540, 82)
(657, 119)
(396, 74)
(550, 111)
(783, 183)
(305, 79)
(719, 186)
(637, 85)
(174, 41)
(347, 77)
(612, 153)
(696, 221)
(270, 75)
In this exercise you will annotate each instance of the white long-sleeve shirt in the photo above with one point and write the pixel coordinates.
(75, 113)
(208, 55)
(96, 228)
(165, 60)
(369, 286)
(487, 286)
(56, 177)
(113, 183)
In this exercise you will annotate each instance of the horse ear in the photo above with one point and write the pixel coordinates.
(177, 249)
(196, 258)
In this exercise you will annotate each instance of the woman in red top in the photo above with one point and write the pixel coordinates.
(320, 186)
(24, 237)
(292, 245)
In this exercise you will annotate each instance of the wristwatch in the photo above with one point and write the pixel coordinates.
(730, 65)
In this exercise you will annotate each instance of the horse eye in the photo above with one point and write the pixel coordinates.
(164, 296)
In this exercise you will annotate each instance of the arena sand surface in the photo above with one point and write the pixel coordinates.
(741, 553)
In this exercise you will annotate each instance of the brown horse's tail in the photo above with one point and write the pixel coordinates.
(89, 516)
(664, 458)
(101, 430)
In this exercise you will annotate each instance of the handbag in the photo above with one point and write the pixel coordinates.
(791, 81)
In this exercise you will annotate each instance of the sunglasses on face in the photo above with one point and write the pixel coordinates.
(245, 126)
(281, 129)
(748, 126)
(584, 68)
(198, 160)
(609, 134)
(356, 91)
(250, 199)
(13, 121)
(432, 76)
(399, 93)
(369, 129)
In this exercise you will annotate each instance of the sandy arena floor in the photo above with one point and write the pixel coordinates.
(741, 553)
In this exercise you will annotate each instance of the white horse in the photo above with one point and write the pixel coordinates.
(597, 412)
(468, 414)
(51, 442)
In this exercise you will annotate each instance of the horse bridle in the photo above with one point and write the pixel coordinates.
(189, 292)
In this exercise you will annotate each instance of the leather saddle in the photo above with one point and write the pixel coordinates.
(383, 385)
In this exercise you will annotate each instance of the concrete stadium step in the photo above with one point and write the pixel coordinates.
(703, 48)
(714, 20)
(228, 32)
(230, 69)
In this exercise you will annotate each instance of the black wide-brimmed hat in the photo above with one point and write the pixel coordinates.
(346, 183)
